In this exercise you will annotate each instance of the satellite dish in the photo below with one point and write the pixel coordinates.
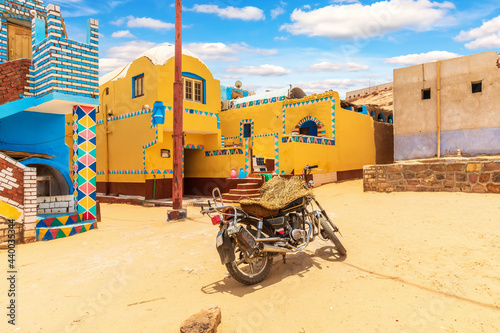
(238, 84)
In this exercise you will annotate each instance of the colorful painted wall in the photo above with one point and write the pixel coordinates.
(62, 81)
(345, 138)
(134, 155)
(469, 120)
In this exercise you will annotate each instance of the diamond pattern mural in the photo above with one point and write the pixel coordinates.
(84, 161)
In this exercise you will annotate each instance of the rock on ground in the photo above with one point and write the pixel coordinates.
(205, 321)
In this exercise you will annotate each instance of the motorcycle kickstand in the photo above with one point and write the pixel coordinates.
(284, 258)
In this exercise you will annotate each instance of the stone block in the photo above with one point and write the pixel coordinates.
(492, 188)
(450, 176)
(473, 178)
(394, 168)
(411, 188)
(421, 188)
(460, 177)
(455, 167)
(484, 178)
(400, 188)
(474, 167)
(418, 167)
(408, 175)
(413, 182)
(438, 167)
(389, 189)
(395, 176)
(478, 188)
(495, 177)
(440, 176)
(494, 166)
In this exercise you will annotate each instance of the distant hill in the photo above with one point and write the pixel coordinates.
(381, 98)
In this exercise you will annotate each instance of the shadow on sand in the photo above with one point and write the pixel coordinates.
(296, 264)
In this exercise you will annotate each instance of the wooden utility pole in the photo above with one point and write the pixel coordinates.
(177, 182)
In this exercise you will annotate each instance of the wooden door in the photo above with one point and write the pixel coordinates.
(18, 42)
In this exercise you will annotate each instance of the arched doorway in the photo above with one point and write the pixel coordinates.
(372, 114)
(309, 128)
(381, 117)
(50, 181)
(390, 120)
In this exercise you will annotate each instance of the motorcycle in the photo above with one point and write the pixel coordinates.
(247, 243)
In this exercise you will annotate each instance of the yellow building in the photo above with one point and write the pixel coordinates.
(134, 151)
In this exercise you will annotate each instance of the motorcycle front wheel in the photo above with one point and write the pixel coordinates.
(249, 270)
(328, 230)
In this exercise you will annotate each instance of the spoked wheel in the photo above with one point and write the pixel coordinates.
(330, 234)
(249, 269)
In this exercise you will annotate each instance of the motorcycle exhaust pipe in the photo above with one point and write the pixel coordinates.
(271, 248)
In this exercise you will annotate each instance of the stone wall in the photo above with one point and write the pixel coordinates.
(13, 79)
(459, 175)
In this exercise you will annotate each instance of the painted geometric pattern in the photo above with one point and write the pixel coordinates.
(264, 135)
(309, 102)
(194, 146)
(85, 166)
(222, 141)
(231, 137)
(138, 172)
(258, 102)
(237, 151)
(247, 154)
(46, 234)
(56, 221)
(146, 146)
(333, 119)
(276, 152)
(321, 127)
(308, 139)
(74, 172)
(146, 111)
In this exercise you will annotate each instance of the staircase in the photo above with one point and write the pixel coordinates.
(247, 188)
(52, 226)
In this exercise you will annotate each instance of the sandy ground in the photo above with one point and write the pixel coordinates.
(417, 262)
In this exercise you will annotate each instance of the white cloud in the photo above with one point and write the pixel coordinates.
(130, 50)
(330, 84)
(109, 64)
(353, 21)
(118, 21)
(214, 51)
(263, 70)
(148, 22)
(421, 58)
(247, 13)
(277, 12)
(326, 66)
(281, 38)
(244, 47)
(486, 36)
(122, 34)
(226, 52)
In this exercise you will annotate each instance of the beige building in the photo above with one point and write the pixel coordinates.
(365, 91)
(463, 114)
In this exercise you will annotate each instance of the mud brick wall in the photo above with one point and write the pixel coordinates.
(18, 189)
(477, 176)
(14, 79)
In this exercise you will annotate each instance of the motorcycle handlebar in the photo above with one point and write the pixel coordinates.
(312, 167)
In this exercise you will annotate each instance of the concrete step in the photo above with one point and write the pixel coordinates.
(248, 186)
(56, 220)
(63, 231)
(244, 191)
(237, 197)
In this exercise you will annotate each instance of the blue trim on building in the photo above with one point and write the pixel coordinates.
(133, 85)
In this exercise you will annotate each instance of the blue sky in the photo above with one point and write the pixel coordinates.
(318, 46)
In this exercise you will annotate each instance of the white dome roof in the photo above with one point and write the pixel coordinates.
(158, 55)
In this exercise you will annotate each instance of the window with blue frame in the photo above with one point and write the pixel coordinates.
(194, 88)
(247, 130)
(138, 86)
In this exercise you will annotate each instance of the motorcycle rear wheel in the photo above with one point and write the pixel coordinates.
(327, 228)
(249, 270)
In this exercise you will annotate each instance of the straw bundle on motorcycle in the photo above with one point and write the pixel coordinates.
(276, 194)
